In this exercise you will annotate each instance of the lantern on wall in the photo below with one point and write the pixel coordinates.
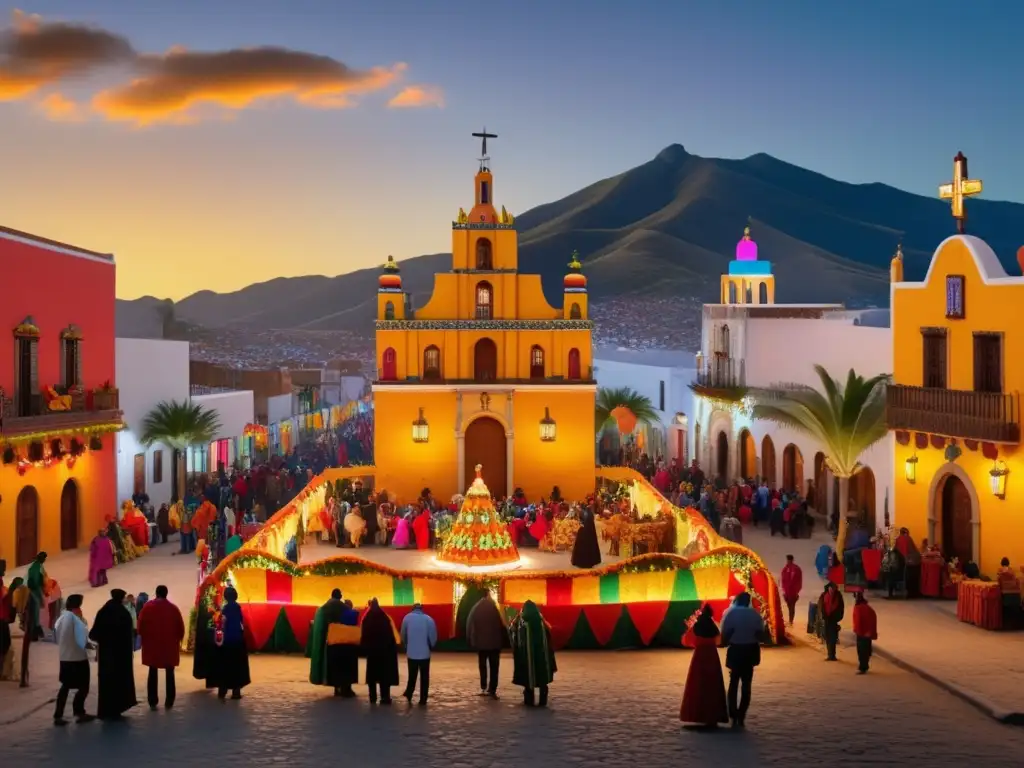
(997, 479)
(910, 469)
(548, 428)
(420, 429)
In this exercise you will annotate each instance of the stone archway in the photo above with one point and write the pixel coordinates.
(722, 456)
(486, 444)
(748, 455)
(768, 461)
(26, 526)
(948, 506)
(69, 516)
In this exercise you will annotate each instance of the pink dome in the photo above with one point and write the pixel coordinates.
(746, 249)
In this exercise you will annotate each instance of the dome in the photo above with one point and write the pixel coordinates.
(390, 279)
(746, 249)
(574, 280)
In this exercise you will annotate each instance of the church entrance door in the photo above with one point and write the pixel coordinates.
(486, 445)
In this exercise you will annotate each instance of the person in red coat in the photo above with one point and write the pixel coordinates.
(792, 583)
(704, 693)
(161, 630)
(865, 627)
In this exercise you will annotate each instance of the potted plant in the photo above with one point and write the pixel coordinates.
(105, 398)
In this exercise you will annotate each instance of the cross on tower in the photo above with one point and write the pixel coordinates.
(484, 136)
(959, 189)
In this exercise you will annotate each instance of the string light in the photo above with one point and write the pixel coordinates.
(50, 434)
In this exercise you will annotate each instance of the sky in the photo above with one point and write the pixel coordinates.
(213, 145)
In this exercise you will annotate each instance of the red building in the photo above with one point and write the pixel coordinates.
(58, 397)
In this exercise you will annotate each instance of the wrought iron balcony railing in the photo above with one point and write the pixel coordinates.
(989, 416)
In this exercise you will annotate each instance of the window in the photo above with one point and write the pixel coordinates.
(158, 467)
(574, 364)
(536, 362)
(724, 348)
(988, 362)
(661, 396)
(485, 193)
(575, 313)
(432, 363)
(389, 311)
(934, 361)
(389, 365)
(484, 258)
(484, 301)
(27, 377)
(71, 359)
(955, 297)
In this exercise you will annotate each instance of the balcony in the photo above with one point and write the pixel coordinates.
(88, 409)
(720, 373)
(989, 416)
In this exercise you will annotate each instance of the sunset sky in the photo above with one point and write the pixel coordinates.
(210, 145)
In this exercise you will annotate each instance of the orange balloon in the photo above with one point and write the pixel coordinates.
(625, 419)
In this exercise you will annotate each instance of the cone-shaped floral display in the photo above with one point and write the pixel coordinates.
(478, 535)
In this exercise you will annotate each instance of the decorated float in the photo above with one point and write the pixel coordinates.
(645, 600)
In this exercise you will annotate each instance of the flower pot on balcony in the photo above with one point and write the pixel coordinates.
(104, 400)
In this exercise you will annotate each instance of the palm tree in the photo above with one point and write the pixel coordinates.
(845, 420)
(179, 425)
(610, 398)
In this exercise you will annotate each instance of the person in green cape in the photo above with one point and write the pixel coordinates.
(36, 583)
(334, 646)
(533, 656)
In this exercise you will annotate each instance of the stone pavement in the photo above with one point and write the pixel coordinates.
(924, 636)
(618, 709)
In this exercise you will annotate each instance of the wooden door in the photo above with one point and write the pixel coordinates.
(934, 362)
(485, 445)
(27, 526)
(957, 531)
(139, 471)
(69, 516)
(485, 360)
(574, 364)
(389, 365)
(723, 457)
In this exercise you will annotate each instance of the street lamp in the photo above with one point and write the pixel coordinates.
(997, 478)
(910, 469)
(547, 427)
(420, 429)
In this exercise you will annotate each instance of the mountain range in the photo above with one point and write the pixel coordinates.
(667, 227)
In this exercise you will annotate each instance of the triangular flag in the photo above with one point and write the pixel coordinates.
(602, 620)
(647, 618)
(625, 634)
(283, 638)
(673, 625)
(258, 619)
(582, 638)
(563, 620)
(300, 618)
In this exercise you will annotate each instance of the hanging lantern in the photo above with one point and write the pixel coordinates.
(420, 429)
(548, 428)
(625, 419)
(997, 479)
(910, 469)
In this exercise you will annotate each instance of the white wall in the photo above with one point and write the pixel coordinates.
(149, 371)
(279, 408)
(234, 410)
(645, 379)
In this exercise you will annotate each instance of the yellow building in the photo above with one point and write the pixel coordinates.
(486, 372)
(958, 362)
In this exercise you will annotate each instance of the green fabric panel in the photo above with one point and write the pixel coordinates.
(282, 639)
(625, 634)
(609, 588)
(684, 587)
(472, 596)
(402, 591)
(673, 627)
(582, 638)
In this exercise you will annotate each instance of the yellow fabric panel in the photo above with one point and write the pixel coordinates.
(711, 583)
(251, 584)
(646, 586)
(342, 634)
(366, 586)
(521, 590)
(586, 590)
(313, 590)
(433, 591)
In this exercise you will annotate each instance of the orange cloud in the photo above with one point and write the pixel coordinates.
(418, 96)
(35, 53)
(174, 84)
(60, 108)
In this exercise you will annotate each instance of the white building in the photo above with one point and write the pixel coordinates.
(663, 376)
(751, 351)
(149, 371)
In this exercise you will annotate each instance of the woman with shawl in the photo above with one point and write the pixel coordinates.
(101, 558)
(402, 533)
(586, 551)
(704, 693)
(421, 529)
(229, 667)
(355, 526)
(533, 657)
(113, 633)
(379, 643)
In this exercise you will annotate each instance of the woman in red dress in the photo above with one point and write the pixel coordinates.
(704, 694)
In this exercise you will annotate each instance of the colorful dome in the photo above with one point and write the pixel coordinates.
(575, 278)
(746, 249)
(390, 279)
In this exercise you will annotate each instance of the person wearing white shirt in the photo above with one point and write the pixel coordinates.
(72, 637)
(419, 636)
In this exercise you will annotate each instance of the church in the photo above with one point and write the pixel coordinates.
(486, 372)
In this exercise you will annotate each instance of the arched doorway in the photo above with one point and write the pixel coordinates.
(955, 510)
(792, 469)
(69, 516)
(816, 493)
(768, 461)
(748, 455)
(483, 254)
(389, 365)
(574, 364)
(485, 362)
(485, 444)
(696, 444)
(27, 526)
(722, 456)
(862, 499)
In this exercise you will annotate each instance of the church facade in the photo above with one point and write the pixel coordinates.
(486, 372)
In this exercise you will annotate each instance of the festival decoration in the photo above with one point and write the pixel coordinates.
(478, 536)
(625, 419)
